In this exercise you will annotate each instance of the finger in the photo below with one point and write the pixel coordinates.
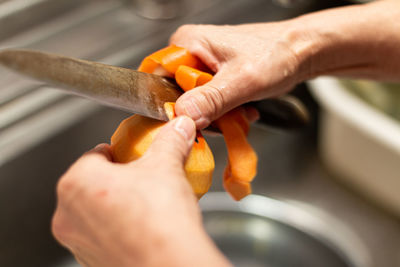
(251, 113)
(101, 151)
(88, 168)
(192, 38)
(224, 92)
(173, 143)
(101, 154)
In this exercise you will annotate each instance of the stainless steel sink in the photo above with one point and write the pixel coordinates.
(42, 130)
(259, 231)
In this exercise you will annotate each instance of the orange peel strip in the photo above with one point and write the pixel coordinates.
(187, 70)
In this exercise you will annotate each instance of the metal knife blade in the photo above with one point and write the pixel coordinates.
(132, 90)
(121, 88)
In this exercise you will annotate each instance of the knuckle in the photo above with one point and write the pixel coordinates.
(251, 80)
(187, 28)
(65, 186)
(168, 147)
(182, 32)
(58, 227)
(172, 144)
(249, 72)
(72, 183)
(214, 99)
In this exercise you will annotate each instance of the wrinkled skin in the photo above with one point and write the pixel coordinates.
(255, 61)
(144, 213)
(134, 214)
(243, 68)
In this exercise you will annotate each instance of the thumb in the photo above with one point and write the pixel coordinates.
(206, 103)
(100, 152)
(174, 141)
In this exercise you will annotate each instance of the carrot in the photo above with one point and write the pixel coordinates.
(189, 73)
(241, 156)
(134, 136)
(169, 108)
(188, 78)
(236, 188)
(169, 58)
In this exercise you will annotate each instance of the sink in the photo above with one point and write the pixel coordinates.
(261, 231)
(42, 130)
(27, 196)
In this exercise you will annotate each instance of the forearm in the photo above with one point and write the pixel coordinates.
(358, 41)
(190, 247)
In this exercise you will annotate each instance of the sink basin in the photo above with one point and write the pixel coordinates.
(260, 231)
(42, 131)
(27, 190)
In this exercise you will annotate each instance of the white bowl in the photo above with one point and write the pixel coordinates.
(358, 143)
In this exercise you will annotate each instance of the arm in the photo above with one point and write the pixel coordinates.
(360, 41)
(133, 214)
(256, 61)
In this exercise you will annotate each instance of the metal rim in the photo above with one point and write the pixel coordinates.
(309, 220)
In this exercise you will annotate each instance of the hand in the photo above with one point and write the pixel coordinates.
(251, 62)
(256, 61)
(143, 213)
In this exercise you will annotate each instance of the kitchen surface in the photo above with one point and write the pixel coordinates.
(304, 213)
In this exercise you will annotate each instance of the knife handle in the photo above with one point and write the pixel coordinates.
(285, 112)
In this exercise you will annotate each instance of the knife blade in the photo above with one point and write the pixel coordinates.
(131, 90)
(118, 87)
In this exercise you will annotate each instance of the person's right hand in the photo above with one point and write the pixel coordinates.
(142, 213)
(251, 62)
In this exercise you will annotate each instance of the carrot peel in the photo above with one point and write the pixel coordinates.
(169, 58)
(188, 78)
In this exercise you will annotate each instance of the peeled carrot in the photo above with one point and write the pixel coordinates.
(134, 136)
(169, 108)
(188, 71)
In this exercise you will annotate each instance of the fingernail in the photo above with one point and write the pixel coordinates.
(98, 147)
(192, 109)
(186, 127)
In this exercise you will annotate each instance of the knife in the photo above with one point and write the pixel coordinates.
(122, 88)
(128, 89)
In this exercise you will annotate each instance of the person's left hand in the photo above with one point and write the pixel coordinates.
(143, 213)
